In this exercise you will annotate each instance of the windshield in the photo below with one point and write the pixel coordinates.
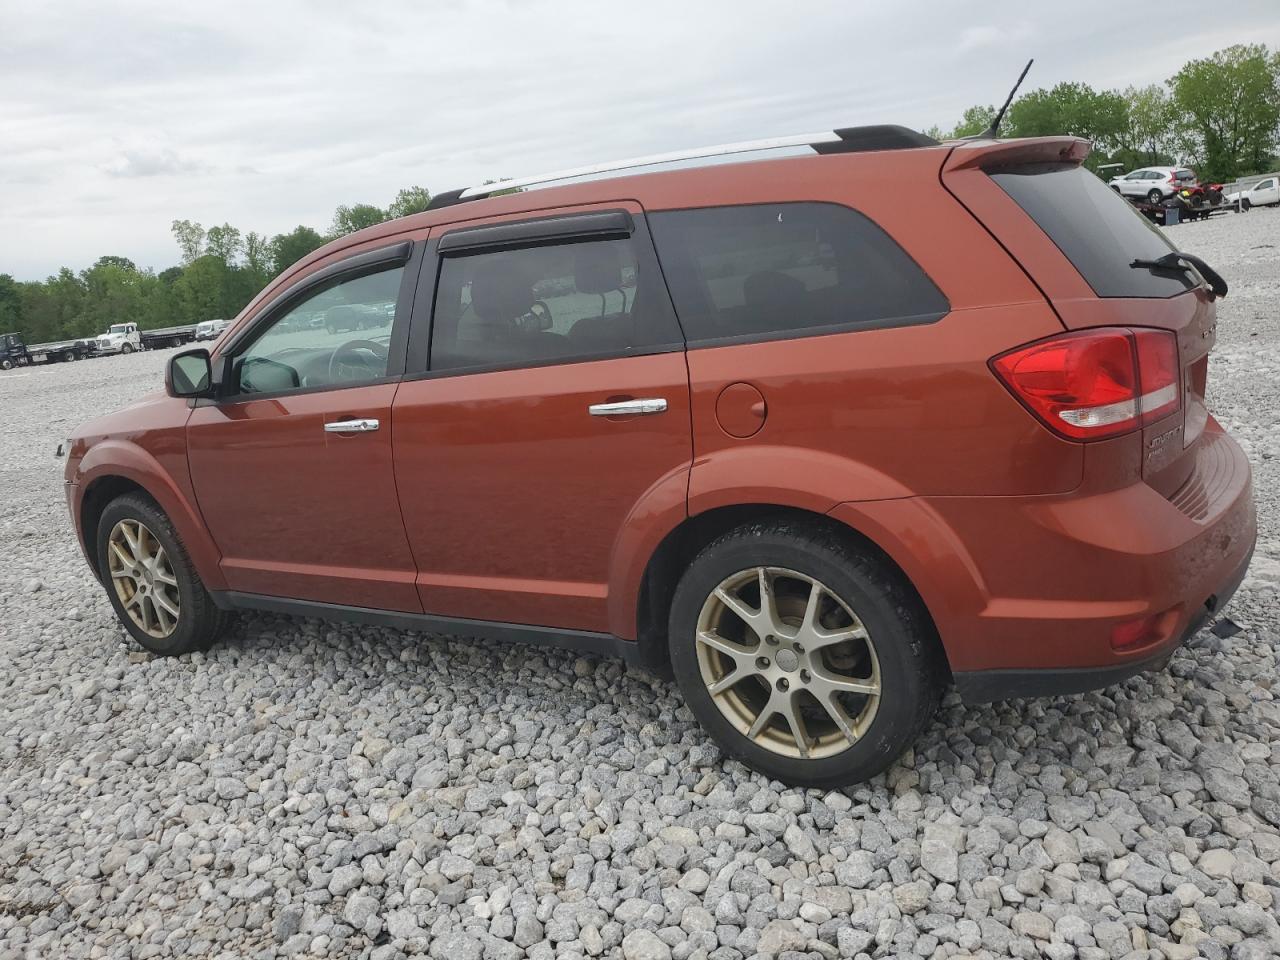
(1097, 229)
(119, 328)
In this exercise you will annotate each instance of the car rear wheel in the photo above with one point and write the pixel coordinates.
(1154, 196)
(151, 582)
(6, 364)
(805, 658)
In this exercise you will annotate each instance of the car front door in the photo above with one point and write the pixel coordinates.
(291, 463)
(1268, 191)
(549, 411)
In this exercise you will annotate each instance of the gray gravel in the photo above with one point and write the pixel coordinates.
(307, 789)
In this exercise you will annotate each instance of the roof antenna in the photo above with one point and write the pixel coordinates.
(993, 131)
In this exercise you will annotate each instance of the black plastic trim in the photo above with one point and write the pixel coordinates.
(988, 686)
(602, 644)
(882, 136)
(523, 233)
(448, 199)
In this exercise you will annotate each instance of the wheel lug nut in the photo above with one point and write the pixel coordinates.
(799, 649)
(762, 663)
(782, 683)
(804, 676)
(771, 640)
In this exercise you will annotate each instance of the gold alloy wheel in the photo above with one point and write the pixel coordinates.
(788, 663)
(143, 578)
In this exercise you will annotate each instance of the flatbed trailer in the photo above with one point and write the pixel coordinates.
(167, 337)
(1163, 212)
(15, 353)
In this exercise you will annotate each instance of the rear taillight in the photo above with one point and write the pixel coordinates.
(1095, 383)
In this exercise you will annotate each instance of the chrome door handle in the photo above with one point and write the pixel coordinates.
(628, 408)
(351, 426)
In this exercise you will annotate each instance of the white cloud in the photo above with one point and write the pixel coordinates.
(119, 118)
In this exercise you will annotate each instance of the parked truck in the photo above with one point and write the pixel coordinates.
(15, 353)
(126, 338)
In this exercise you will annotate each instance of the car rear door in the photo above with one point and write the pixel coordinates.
(546, 411)
(292, 463)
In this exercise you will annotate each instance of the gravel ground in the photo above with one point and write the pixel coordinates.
(307, 789)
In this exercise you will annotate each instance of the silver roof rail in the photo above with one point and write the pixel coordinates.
(698, 153)
(840, 140)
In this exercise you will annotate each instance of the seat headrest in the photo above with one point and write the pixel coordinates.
(501, 290)
(597, 268)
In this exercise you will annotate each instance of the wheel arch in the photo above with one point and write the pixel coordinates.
(677, 549)
(112, 468)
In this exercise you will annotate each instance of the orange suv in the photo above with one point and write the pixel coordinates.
(821, 433)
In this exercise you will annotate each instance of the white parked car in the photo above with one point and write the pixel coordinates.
(119, 338)
(209, 329)
(1263, 193)
(1154, 183)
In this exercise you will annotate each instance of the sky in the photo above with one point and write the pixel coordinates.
(117, 118)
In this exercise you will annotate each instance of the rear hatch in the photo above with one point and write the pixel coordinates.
(1078, 241)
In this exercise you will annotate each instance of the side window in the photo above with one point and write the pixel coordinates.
(1137, 175)
(787, 269)
(549, 304)
(337, 336)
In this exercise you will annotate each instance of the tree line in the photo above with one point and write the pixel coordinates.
(220, 270)
(1220, 114)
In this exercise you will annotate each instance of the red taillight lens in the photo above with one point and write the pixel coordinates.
(1095, 383)
(1135, 634)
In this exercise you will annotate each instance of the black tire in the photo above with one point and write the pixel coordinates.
(1154, 196)
(200, 622)
(126, 348)
(912, 668)
(6, 364)
(1245, 205)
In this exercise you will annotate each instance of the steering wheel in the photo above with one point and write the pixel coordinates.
(351, 349)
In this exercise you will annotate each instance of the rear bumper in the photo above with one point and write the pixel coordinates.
(1026, 591)
(986, 686)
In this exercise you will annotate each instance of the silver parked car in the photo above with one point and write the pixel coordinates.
(1154, 183)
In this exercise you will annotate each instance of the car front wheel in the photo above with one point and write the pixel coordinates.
(806, 658)
(151, 582)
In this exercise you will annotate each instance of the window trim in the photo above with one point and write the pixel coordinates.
(405, 254)
(540, 231)
(806, 333)
(422, 327)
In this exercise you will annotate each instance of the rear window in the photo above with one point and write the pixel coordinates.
(775, 270)
(1097, 230)
(1185, 174)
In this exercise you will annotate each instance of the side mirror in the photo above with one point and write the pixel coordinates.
(189, 374)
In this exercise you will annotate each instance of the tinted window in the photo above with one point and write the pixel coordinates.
(1099, 232)
(338, 336)
(549, 304)
(776, 270)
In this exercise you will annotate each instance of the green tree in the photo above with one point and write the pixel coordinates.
(1147, 136)
(189, 236)
(123, 262)
(257, 254)
(11, 314)
(288, 248)
(972, 122)
(350, 219)
(224, 242)
(1228, 109)
(408, 201)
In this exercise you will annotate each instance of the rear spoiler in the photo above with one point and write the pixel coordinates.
(976, 154)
